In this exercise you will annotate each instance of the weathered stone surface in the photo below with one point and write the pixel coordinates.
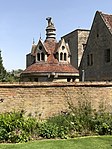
(99, 41)
(47, 99)
(76, 41)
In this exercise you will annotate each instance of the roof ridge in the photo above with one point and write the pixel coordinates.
(105, 13)
(106, 18)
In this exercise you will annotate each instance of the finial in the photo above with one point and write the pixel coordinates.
(40, 36)
(33, 41)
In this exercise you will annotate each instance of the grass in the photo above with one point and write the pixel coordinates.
(100, 142)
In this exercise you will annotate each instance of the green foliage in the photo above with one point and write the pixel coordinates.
(52, 130)
(47, 130)
(103, 123)
(2, 69)
(80, 121)
(14, 127)
(8, 76)
(18, 135)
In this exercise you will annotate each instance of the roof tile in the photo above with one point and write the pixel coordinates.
(108, 20)
(50, 45)
(46, 67)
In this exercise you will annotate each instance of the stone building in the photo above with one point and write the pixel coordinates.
(77, 41)
(49, 60)
(96, 63)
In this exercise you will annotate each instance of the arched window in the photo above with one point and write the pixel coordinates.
(42, 56)
(63, 47)
(61, 56)
(65, 56)
(40, 47)
(38, 56)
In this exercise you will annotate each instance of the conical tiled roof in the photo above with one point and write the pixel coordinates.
(48, 68)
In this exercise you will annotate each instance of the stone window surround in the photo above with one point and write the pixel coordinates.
(89, 59)
(40, 56)
(107, 55)
(62, 56)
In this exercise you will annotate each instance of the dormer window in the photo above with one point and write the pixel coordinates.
(63, 47)
(65, 56)
(61, 56)
(40, 47)
(40, 56)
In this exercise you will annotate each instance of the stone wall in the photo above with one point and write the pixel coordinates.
(47, 99)
(76, 41)
(99, 41)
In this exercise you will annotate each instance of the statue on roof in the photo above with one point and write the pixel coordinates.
(50, 23)
(50, 29)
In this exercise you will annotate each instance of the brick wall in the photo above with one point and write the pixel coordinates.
(47, 99)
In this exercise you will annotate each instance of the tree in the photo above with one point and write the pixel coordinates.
(2, 70)
(7, 76)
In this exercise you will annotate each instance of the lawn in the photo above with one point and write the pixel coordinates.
(104, 142)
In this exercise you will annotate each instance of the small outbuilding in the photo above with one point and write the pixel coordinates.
(49, 60)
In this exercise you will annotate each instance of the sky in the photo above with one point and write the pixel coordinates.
(23, 20)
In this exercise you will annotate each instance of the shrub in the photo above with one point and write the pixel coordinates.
(47, 130)
(80, 121)
(103, 123)
(17, 136)
(14, 127)
(3, 134)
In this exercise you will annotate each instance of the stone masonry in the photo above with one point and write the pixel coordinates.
(76, 41)
(97, 58)
(47, 99)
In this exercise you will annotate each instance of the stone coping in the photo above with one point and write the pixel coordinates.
(54, 84)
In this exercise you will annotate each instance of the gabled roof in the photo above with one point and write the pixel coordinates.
(33, 49)
(34, 46)
(63, 43)
(50, 45)
(107, 19)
